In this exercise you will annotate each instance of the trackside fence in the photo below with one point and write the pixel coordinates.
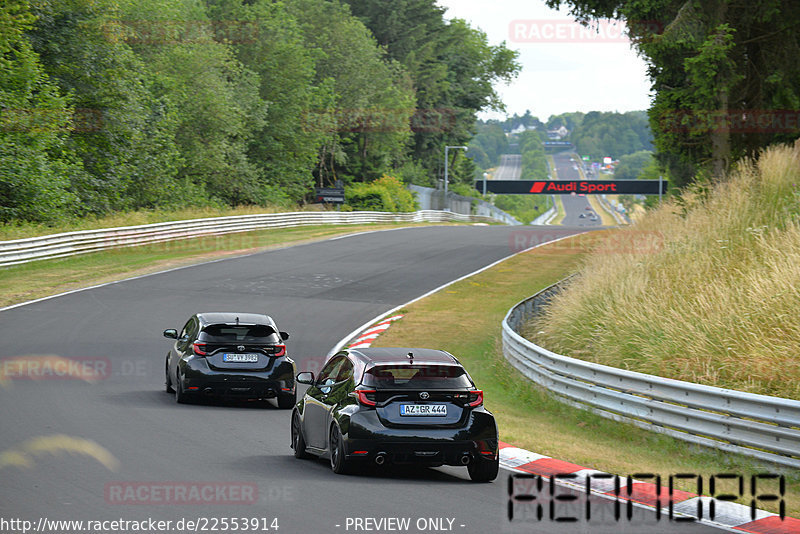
(760, 426)
(85, 241)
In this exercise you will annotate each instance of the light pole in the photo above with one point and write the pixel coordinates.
(446, 148)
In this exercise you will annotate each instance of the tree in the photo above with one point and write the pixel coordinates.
(35, 164)
(127, 151)
(534, 161)
(631, 166)
(488, 145)
(723, 73)
(600, 134)
(452, 67)
(372, 100)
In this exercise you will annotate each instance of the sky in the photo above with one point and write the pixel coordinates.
(564, 67)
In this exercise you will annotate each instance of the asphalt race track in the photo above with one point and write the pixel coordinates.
(145, 442)
(574, 205)
(510, 167)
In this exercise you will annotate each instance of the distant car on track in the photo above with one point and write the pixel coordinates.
(395, 406)
(239, 355)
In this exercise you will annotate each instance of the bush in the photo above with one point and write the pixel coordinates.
(384, 194)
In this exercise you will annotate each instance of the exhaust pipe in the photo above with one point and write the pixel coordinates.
(465, 459)
(380, 458)
(208, 391)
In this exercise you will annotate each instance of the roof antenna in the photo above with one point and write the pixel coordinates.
(237, 320)
(411, 356)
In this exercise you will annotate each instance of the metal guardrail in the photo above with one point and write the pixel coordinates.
(547, 216)
(82, 242)
(760, 426)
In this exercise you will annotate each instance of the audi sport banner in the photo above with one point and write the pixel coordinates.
(568, 187)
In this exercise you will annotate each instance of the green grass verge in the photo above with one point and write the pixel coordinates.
(464, 319)
(559, 218)
(38, 279)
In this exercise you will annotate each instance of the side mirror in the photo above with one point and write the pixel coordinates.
(306, 377)
(171, 333)
(284, 335)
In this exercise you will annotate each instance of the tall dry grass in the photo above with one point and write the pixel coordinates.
(705, 289)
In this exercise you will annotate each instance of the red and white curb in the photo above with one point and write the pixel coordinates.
(729, 515)
(366, 337)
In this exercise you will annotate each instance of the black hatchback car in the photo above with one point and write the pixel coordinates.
(395, 406)
(239, 355)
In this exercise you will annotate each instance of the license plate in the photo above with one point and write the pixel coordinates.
(239, 358)
(436, 410)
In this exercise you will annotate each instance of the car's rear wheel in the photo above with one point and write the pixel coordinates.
(339, 462)
(287, 402)
(298, 441)
(181, 397)
(482, 470)
(169, 387)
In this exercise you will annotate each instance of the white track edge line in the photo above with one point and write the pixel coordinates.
(377, 318)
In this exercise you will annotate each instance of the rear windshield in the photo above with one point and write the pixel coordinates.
(223, 333)
(417, 376)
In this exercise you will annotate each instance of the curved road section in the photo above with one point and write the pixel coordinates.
(106, 443)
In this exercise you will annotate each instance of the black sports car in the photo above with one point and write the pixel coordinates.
(232, 355)
(395, 405)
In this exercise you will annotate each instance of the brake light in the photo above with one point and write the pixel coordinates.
(199, 349)
(475, 398)
(366, 397)
(280, 350)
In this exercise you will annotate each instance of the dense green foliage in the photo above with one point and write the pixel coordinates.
(453, 68)
(490, 142)
(598, 134)
(524, 207)
(639, 165)
(595, 134)
(114, 105)
(725, 76)
(384, 194)
(534, 161)
(35, 162)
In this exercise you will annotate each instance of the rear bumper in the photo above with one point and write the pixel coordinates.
(199, 379)
(366, 439)
(428, 453)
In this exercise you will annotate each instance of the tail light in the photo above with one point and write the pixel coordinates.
(199, 349)
(366, 397)
(475, 398)
(487, 448)
(280, 350)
